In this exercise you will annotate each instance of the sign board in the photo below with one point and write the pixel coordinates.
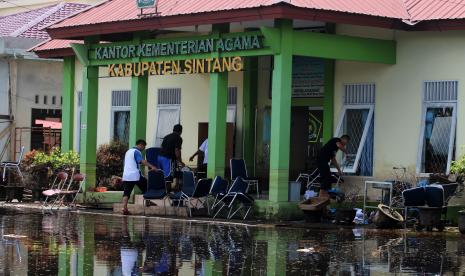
(308, 77)
(176, 67)
(178, 47)
(142, 4)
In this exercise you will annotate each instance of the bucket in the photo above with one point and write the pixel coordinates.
(294, 191)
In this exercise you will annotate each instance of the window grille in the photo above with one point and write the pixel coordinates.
(121, 98)
(440, 91)
(359, 94)
(169, 96)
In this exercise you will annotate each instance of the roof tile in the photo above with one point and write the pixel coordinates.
(30, 24)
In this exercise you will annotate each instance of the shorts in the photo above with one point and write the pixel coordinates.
(164, 164)
(325, 176)
(128, 186)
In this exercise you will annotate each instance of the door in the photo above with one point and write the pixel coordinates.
(299, 140)
(203, 134)
(306, 137)
(315, 136)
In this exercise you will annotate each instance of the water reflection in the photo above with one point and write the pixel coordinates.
(85, 244)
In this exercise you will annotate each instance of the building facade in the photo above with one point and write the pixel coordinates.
(395, 88)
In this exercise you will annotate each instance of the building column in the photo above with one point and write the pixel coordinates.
(63, 260)
(138, 115)
(89, 111)
(67, 131)
(218, 104)
(249, 106)
(86, 251)
(218, 100)
(281, 115)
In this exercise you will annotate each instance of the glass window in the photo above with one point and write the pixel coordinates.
(121, 126)
(167, 118)
(357, 122)
(438, 138)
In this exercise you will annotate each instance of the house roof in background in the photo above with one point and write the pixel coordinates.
(32, 24)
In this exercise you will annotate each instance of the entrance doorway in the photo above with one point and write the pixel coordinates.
(203, 134)
(306, 139)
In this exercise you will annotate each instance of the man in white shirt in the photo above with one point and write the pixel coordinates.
(203, 149)
(132, 175)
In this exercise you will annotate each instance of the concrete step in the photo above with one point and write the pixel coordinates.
(158, 210)
(132, 208)
(139, 200)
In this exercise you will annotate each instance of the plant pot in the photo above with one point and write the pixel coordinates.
(13, 192)
(2, 193)
(37, 194)
(462, 222)
(345, 216)
(431, 217)
(387, 217)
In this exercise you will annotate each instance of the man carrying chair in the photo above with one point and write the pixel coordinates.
(132, 175)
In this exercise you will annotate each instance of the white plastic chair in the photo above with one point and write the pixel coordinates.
(13, 165)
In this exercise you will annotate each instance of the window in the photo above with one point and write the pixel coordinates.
(36, 100)
(45, 99)
(78, 125)
(169, 111)
(61, 100)
(357, 121)
(121, 112)
(54, 100)
(232, 103)
(438, 126)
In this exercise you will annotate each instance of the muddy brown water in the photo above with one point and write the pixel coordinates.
(69, 243)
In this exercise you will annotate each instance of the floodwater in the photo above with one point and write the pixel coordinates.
(71, 243)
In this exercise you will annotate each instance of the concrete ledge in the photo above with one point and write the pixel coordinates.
(94, 198)
(272, 211)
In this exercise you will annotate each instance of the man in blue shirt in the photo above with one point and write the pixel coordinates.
(132, 175)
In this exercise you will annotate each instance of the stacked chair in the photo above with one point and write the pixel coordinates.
(214, 196)
(64, 190)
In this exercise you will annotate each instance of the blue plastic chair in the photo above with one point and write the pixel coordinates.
(156, 188)
(218, 190)
(187, 191)
(236, 194)
(239, 169)
(201, 192)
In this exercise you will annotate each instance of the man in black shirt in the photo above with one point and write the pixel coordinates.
(170, 151)
(327, 155)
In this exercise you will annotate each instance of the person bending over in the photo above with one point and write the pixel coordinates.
(327, 155)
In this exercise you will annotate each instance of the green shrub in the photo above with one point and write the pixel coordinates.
(110, 162)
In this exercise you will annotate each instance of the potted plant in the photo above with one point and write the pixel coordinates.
(110, 162)
(41, 166)
(458, 168)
